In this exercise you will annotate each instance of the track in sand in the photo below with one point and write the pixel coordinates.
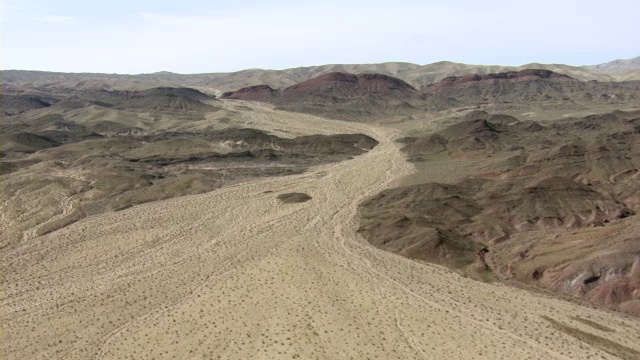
(237, 274)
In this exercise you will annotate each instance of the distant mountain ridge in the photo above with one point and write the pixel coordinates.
(418, 76)
(619, 65)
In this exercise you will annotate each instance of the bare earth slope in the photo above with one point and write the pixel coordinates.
(553, 204)
(617, 66)
(237, 274)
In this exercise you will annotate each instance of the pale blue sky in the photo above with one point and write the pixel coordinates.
(192, 36)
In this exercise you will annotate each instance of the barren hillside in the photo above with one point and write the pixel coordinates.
(418, 76)
(555, 180)
(276, 280)
(332, 212)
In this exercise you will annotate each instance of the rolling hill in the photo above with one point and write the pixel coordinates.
(416, 75)
(540, 187)
(345, 95)
(160, 216)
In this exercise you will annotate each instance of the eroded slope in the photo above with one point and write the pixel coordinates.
(519, 215)
(235, 273)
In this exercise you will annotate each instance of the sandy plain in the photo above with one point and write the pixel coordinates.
(237, 274)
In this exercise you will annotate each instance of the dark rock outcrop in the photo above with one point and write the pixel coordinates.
(261, 93)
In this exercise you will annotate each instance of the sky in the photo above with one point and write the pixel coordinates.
(197, 36)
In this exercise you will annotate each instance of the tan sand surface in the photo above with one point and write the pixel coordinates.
(237, 274)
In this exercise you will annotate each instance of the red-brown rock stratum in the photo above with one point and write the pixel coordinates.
(263, 93)
(344, 95)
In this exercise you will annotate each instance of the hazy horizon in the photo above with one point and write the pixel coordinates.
(293, 67)
(196, 36)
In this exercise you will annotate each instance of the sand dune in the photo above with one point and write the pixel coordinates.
(237, 274)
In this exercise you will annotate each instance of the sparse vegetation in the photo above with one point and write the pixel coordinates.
(222, 269)
(603, 343)
(530, 179)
